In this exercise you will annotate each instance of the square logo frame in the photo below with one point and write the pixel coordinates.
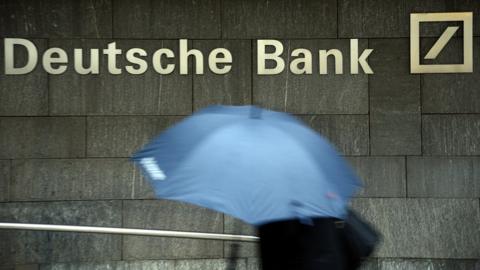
(417, 18)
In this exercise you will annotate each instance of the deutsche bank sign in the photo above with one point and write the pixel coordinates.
(416, 19)
(298, 61)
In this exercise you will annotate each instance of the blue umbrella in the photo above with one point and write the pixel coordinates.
(254, 164)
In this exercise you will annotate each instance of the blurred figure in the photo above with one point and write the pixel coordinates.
(302, 245)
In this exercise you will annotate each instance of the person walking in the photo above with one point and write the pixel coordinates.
(264, 167)
(295, 244)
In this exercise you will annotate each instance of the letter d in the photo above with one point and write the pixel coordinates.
(32, 57)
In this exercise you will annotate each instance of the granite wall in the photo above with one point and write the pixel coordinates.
(65, 139)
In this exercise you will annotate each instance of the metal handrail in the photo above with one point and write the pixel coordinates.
(127, 231)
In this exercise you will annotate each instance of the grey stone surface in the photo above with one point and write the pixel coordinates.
(369, 264)
(25, 247)
(444, 177)
(392, 134)
(253, 264)
(471, 6)
(124, 94)
(50, 18)
(369, 18)
(20, 267)
(391, 57)
(279, 19)
(170, 215)
(117, 265)
(198, 264)
(212, 264)
(349, 133)
(380, 19)
(395, 121)
(451, 134)
(233, 88)
(122, 136)
(27, 267)
(241, 250)
(452, 93)
(77, 179)
(236, 226)
(314, 93)
(23, 94)
(424, 228)
(32, 137)
(416, 264)
(5, 174)
(167, 19)
(382, 176)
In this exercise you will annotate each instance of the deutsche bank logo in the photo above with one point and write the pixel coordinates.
(441, 42)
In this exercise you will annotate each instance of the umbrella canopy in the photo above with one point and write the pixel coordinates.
(254, 164)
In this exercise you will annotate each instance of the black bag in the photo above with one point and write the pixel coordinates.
(359, 238)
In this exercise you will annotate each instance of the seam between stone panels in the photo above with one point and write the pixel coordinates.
(113, 16)
(380, 259)
(453, 113)
(451, 155)
(223, 231)
(86, 137)
(381, 197)
(221, 19)
(478, 210)
(48, 86)
(149, 38)
(122, 226)
(226, 38)
(45, 116)
(374, 156)
(79, 200)
(128, 157)
(66, 158)
(406, 177)
(368, 109)
(113, 115)
(421, 112)
(330, 114)
(192, 74)
(10, 182)
(251, 71)
(182, 115)
(436, 197)
(337, 17)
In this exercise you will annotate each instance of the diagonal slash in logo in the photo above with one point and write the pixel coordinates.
(441, 42)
